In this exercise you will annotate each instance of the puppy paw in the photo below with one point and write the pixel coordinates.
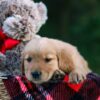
(77, 76)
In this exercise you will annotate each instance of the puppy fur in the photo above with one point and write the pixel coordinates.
(47, 55)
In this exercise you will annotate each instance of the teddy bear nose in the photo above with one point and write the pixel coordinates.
(36, 75)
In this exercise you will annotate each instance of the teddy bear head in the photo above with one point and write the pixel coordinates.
(21, 19)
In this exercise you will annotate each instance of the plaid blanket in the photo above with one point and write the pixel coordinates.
(19, 88)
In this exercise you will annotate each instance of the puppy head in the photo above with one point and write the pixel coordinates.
(40, 61)
(42, 57)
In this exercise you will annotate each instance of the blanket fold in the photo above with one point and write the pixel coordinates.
(19, 88)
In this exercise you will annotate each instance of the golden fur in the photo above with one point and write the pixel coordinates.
(48, 55)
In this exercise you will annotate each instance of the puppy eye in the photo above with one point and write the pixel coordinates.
(48, 59)
(29, 59)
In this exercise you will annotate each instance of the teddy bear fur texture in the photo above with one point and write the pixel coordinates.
(19, 20)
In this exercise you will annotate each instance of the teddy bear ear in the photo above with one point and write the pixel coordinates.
(42, 11)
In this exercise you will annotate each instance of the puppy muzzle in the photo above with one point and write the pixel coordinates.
(36, 75)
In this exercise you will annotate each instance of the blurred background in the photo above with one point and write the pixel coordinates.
(76, 22)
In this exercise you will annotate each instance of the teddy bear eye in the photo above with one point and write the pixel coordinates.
(32, 16)
(29, 59)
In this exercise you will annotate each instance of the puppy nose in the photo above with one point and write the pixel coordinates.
(36, 75)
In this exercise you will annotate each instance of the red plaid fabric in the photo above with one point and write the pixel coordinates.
(19, 88)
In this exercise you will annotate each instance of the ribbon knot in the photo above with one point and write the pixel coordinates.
(7, 43)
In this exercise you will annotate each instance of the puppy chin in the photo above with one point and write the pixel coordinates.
(40, 81)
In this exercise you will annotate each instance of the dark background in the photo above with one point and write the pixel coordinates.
(76, 22)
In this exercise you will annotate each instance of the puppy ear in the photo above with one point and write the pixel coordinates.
(68, 57)
(22, 64)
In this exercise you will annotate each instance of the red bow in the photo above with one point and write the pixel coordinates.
(6, 43)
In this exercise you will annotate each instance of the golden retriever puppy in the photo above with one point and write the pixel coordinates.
(42, 57)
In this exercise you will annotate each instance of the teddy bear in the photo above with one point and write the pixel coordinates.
(20, 20)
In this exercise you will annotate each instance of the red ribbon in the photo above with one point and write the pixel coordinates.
(7, 43)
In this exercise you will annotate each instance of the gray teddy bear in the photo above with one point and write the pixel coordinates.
(19, 20)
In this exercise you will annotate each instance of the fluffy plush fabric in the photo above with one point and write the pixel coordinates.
(19, 88)
(6, 54)
(10, 55)
(21, 16)
(20, 20)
